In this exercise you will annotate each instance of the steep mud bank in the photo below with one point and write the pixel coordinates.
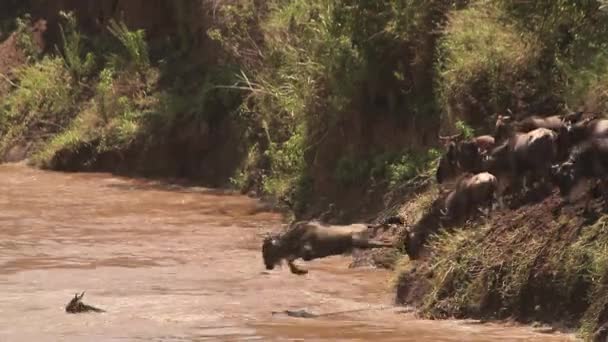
(538, 261)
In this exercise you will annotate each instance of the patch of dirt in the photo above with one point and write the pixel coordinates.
(413, 284)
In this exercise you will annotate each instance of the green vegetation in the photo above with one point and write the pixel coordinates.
(483, 56)
(479, 273)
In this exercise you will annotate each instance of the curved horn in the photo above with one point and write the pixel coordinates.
(450, 137)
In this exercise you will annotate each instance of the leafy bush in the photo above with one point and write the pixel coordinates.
(135, 47)
(25, 38)
(395, 168)
(76, 61)
(410, 165)
(482, 55)
(43, 103)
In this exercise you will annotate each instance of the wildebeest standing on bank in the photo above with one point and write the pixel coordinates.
(505, 125)
(463, 156)
(312, 240)
(587, 161)
(472, 191)
(524, 156)
(573, 134)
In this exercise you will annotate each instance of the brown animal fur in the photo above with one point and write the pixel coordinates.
(311, 240)
(77, 306)
(505, 127)
(463, 156)
(524, 155)
(472, 191)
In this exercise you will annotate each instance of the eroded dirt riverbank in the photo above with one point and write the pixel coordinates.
(179, 264)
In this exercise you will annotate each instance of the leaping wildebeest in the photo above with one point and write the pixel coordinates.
(310, 240)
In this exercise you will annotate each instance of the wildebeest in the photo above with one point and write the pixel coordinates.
(463, 156)
(524, 155)
(587, 160)
(573, 134)
(504, 125)
(472, 191)
(77, 306)
(311, 240)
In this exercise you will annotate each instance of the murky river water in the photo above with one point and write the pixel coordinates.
(179, 264)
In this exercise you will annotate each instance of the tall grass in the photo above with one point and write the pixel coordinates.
(482, 55)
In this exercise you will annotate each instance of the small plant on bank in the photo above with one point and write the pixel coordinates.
(79, 63)
(25, 38)
(135, 48)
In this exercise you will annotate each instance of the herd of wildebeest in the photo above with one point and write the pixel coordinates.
(533, 154)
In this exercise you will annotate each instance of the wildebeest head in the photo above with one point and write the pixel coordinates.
(73, 305)
(459, 157)
(503, 128)
(271, 251)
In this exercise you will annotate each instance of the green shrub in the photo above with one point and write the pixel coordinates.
(79, 63)
(25, 38)
(586, 86)
(43, 103)
(351, 171)
(394, 168)
(464, 129)
(135, 48)
(482, 54)
(410, 165)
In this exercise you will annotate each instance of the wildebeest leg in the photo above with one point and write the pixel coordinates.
(294, 269)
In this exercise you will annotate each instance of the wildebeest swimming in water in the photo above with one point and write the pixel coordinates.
(311, 240)
(77, 306)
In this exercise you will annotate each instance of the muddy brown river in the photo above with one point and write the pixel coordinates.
(170, 263)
